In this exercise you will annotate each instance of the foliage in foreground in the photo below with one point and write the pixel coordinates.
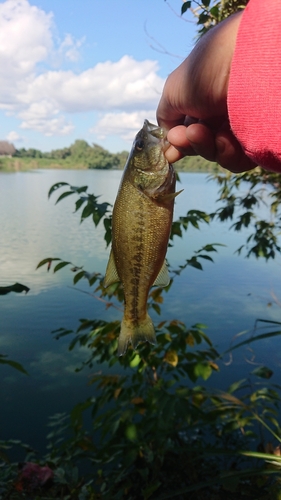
(157, 430)
(208, 13)
(4, 290)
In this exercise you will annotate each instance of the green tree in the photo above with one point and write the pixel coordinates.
(101, 158)
(59, 153)
(208, 13)
(79, 149)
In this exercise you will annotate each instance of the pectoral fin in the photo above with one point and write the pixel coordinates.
(166, 198)
(111, 275)
(163, 278)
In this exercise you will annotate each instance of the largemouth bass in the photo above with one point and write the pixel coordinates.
(141, 225)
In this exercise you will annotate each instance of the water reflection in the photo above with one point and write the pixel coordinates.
(228, 295)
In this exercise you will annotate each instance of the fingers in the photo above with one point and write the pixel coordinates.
(179, 144)
(230, 155)
(202, 140)
(198, 139)
(175, 154)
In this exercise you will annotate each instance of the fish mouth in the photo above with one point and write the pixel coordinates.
(159, 133)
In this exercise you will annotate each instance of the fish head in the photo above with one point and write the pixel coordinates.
(149, 148)
(147, 165)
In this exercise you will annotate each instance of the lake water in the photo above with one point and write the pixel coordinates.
(228, 296)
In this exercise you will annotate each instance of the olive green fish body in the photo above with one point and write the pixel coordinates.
(141, 224)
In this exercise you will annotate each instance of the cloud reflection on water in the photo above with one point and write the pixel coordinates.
(33, 228)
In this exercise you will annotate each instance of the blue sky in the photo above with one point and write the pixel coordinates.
(86, 69)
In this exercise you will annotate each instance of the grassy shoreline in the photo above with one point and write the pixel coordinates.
(14, 164)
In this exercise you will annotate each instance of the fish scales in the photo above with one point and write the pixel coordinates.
(138, 222)
(141, 224)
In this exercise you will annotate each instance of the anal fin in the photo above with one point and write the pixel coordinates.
(163, 278)
(111, 274)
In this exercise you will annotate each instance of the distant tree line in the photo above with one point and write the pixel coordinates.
(94, 156)
(83, 155)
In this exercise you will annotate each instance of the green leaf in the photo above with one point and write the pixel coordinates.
(236, 385)
(135, 361)
(96, 217)
(185, 6)
(194, 263)
(60, 266)
(206, 257)
(156, 308)
(78, 277)
(107, 222)
(16, 287)
(203, 370)
(214, 11)
(79, 203)
(263, 372)
(64, 195)
(48, 261)
(131, 432)
(13, 364)
(176, 229)
(79, 190)
(56, 186)
(199, 326)
(87, 211)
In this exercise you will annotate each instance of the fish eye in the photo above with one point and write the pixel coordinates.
(139, 145)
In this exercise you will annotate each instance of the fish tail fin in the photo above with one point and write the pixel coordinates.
(135, 334)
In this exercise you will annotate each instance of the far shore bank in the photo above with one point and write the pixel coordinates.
(14, 164)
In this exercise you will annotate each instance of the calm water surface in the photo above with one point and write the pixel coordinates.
(228, 296)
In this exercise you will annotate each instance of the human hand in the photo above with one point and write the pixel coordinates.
(193, 106)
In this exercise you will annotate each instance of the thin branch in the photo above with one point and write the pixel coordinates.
(108, 304)
(179, 15)
(158, 47)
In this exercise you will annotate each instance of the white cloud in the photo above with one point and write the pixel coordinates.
(25, 41)
(126, 83)
(57, 364)
(49, 127)
(69, 48)
(126, 125)
(13, 136)
(44, 117)
(25, 37)
(41, 99)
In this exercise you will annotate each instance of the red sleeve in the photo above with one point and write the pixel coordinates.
(254, 93)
